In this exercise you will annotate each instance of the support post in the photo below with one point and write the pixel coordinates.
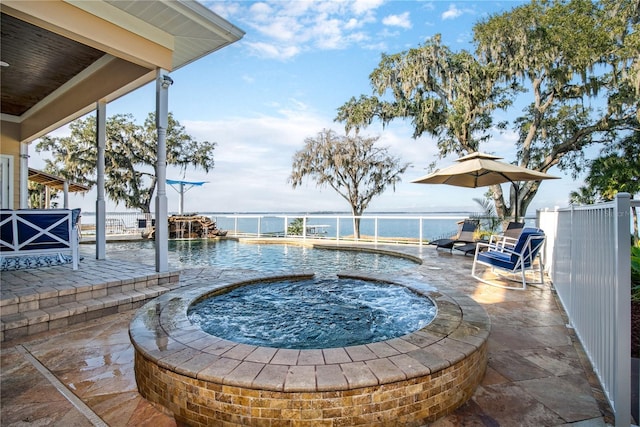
(65, 192)
(622, 391)
(101, 210)
(163, 81)
(24, 176)
(181, 205)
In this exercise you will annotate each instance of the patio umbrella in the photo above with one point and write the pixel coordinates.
(480, 170)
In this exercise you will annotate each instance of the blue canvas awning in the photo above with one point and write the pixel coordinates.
(184, 186)
(173, 181)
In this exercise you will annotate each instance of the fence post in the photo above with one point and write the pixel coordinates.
(572, 276)
(622, 401)
(375, 233)
(286, 225)
(304, 227)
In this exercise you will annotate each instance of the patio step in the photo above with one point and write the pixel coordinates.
(34, 310)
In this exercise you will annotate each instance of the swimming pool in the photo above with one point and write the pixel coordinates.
(267, 258)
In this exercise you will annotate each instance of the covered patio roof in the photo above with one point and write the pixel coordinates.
(60, 57)
(55, 182)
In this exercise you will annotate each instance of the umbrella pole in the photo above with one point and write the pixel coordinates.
(516, 207)
(515, 187)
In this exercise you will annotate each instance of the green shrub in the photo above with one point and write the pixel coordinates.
(296, 226)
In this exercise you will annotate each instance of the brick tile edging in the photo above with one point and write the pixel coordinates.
(410, 380)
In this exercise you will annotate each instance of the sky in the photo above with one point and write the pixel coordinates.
(299, 61)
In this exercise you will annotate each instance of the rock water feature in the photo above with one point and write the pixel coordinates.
(191, 226)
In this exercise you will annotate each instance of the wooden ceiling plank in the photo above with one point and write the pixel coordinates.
(76, 24)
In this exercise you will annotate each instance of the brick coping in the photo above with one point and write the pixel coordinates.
(161, 332)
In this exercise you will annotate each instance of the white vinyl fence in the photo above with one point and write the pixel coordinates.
(588, 259)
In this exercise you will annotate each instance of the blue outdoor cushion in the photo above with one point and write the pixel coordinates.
(507, 260)
(499, 259)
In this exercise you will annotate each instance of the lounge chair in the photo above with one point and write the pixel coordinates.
(513, 229)
(465, 235)
(508, 237)
(507, 261)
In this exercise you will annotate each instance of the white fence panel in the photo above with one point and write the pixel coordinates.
(588, 259)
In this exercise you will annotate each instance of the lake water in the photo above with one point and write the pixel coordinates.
(397, 225)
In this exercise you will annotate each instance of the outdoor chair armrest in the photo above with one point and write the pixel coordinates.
(498, 246)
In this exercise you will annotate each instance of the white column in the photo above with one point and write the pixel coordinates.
(24, 176)
(101, 214)
(163, 81)
(181, 205)
(65, 192)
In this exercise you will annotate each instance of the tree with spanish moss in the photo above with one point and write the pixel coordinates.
(570, 56)
(130, 156)
(561, 57)
(353, 166)
(448, 95)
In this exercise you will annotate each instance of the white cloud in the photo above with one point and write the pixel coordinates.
(265, 50)
(401, 20)
(366, 6)
(254, 156)
(328, 34)
(285, 29)
(353, 23)
(261, 11)
(451, 13)
(225, 9)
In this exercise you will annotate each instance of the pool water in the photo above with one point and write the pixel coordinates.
(267, 258)
(313, 314)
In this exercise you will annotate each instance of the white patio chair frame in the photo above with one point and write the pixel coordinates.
(524, 261)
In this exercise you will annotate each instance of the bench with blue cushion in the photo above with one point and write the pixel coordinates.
(38, 237)
(511, 260)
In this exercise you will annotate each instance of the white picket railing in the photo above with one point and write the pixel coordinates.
(588, 259)
(374, 228)
(118, 223)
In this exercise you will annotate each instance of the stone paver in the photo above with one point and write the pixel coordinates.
(536, 374)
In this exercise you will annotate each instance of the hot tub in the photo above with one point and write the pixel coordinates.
(410, 380)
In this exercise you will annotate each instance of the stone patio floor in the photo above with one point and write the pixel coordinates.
(538, 374)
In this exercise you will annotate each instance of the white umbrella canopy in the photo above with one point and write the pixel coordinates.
(481, 170)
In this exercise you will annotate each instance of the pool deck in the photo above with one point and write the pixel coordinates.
(82, 374)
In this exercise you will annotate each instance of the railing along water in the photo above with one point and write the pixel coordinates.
(373, 228)
(588, 259)
(120, 223)
(384, 228)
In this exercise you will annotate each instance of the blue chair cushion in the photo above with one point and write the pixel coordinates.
(509, 260)
(499, 259)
